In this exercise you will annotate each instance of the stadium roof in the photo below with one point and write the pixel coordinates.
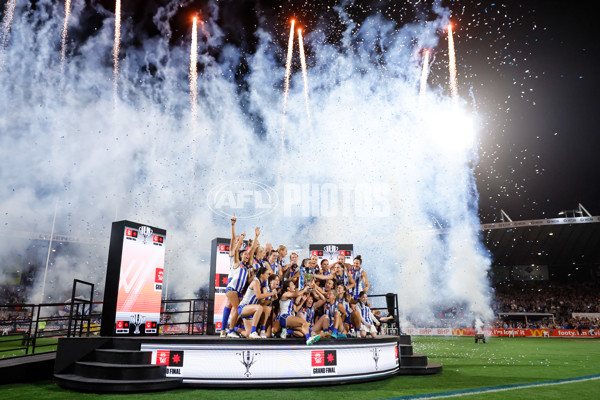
(556, 241)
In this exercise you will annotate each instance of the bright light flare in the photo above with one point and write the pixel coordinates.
(453, 131)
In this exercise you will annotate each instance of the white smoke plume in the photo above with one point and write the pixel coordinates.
(378, 175)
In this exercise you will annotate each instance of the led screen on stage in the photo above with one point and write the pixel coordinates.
(140, 283)
(223, 265)
(133, 291)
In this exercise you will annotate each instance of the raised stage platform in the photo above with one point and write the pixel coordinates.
(138, 364)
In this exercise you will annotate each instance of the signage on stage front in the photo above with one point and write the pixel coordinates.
(134, 280)
(234, 364)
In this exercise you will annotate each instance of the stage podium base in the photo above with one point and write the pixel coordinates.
(143, 364)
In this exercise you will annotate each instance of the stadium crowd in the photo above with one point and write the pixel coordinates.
(542, 297)
(9, 294)
(561, 300)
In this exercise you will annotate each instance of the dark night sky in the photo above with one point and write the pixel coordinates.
(530, 66)
(543, 135)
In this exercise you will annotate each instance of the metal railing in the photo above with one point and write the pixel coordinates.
(36, 328)
(391, 327)
(79, 313)
(33, 328)
(184, 317)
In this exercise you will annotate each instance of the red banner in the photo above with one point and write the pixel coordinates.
(584, 333)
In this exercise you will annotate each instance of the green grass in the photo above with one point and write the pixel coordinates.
(10, 346)
(499, 362)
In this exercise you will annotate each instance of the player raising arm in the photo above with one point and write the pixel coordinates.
(233, 243)
(239, 277)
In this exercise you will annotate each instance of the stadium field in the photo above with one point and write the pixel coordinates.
(502, 368)
(9, 346)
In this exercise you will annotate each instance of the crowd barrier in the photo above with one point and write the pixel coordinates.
(584, 333)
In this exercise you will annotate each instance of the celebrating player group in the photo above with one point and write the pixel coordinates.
(267, 297)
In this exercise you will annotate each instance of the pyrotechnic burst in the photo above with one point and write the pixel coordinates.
(357, 115)
(194, 74)
(9, 13)
(116, 49)
(452, 65)
(63, 48)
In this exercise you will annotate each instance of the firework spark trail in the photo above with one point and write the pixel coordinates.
(194, 73)
(63, 49)
(452, 66)
(116, 48)
(9, 13)
(424, 75)
(305, 77)
(288, 70)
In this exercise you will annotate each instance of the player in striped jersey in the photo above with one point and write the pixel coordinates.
(270, 286)
(343, 312)
(308, 305)
(324, 273)
(361, 283)
(233, 245)
(281, 254)
(341, 261)
(326, 321)
(368, 320)
(341, 275)
(287, 319)
(291, 271)
(239, 277)
(249, 309)
(258, 258)
(273, 265)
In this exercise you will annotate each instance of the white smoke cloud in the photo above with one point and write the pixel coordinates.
(64, 140)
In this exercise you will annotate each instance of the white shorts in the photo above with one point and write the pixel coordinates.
(368, 328)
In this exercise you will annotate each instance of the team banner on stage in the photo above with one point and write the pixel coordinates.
(134, 280)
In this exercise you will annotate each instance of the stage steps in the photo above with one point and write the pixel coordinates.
(116, 370)
(413, 363)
